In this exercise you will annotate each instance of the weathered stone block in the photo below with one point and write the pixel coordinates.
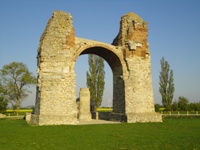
(84, 110)
(144, 117)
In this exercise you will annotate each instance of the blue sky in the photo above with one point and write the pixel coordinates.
(174, 33)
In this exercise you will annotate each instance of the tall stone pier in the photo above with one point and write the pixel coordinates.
(128, 57)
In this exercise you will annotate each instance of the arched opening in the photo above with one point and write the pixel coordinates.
(81, 67)
(113, 61)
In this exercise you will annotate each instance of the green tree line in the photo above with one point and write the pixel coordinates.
(183, 104)
(167, 90)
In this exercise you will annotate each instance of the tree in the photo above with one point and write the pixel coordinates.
(198, 106)
(95, 79)
(192, 106)
(166, 84)
(183, 103)
(174, 106)
(14, 80)
(3, 104)
(157, 107)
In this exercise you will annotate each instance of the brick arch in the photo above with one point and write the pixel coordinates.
(107, 53)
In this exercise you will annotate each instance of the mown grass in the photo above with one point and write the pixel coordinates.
(173, 133)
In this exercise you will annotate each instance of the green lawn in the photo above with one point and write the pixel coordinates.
(173, 133)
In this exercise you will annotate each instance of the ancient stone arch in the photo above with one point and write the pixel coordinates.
(128, 57)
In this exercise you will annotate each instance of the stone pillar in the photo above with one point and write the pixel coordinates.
(56, 91)
(27, 117)
(84, 105)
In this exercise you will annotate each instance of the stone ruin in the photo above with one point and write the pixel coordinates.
(128, 57)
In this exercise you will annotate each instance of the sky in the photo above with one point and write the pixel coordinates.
(174, 33)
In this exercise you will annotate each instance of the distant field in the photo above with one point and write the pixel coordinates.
(11, 112)
(21, 110)
(104, 109)
(173, 133)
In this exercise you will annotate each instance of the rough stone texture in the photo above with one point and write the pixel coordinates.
(84, 113)
(128, 57)
(27, 117)
(2, 116)
(133, 36)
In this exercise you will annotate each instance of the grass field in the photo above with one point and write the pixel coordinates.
(173, 133)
